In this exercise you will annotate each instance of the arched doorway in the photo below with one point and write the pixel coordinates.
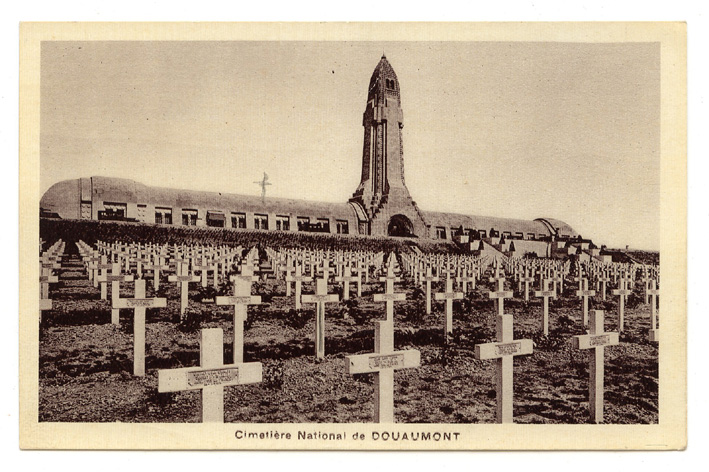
(401, 226)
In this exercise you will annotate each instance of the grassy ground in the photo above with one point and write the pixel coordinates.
(86, 363)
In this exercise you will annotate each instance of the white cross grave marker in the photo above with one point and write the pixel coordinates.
(504, 351)
(345, 278)
(449, 295)
(500, 295)
(464, 279)
(139, 304)
(320, 298)
(298, 278)
(389, 296)
(546, 293)
(183, 282)
(428, 279)
(585, 293)
(621, 292)
(382, 363)
(596, 340)
(241, 299)
(527, 279)
(115, 278)
(211, 376)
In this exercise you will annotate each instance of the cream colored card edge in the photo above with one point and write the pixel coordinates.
(669, 434)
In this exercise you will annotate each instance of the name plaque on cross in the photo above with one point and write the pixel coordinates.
(597, 339)
(196, 378)
(213, 377)
(588, 341)
(143, 303)
(387, 297)
(368, 363)
(504, 351)
(498, 350)
(389, 361)
(240, 300)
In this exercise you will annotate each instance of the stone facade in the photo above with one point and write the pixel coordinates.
(380, 206)
(382, 192)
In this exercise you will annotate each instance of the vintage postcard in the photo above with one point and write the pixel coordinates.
(451, 236)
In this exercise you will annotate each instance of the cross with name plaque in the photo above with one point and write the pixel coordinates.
(558, 278)
(464, 279)
(527, 279)
(44, 281)
(428, 278)
(596, 340)
(646, 282)
(156, 267)
(503, 351)
(287, 269)
(389, 296)
(449, 295)
(203, 269)
(585, 293)
(345, 278)
(320, 298)
(115, 278)
(103, 267)
(382, 364)
(211, 376)
(183, 280)
(603, 279)
(241, 300)
(139, 304)
(546, 293)
(622, 292)
(92, 262)
(298, 278)
(500, 295)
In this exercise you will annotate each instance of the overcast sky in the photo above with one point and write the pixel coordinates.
(518, 130)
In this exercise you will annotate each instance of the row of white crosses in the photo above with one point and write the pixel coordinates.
(49, 261)
(212, 375)
(201, 260)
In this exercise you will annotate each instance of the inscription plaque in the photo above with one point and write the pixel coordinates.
(139, 302)
(508, 349)
(206, 378)
(386, 362)
(601, 340)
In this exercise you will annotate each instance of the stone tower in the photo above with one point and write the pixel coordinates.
(382, 201)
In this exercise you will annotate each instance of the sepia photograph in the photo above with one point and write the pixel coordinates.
(374, 238)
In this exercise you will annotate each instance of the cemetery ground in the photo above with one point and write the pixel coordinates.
(85, 362)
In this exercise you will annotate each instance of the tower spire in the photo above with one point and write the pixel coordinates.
(382, 187)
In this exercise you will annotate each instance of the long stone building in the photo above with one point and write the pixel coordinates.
(380, 206)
